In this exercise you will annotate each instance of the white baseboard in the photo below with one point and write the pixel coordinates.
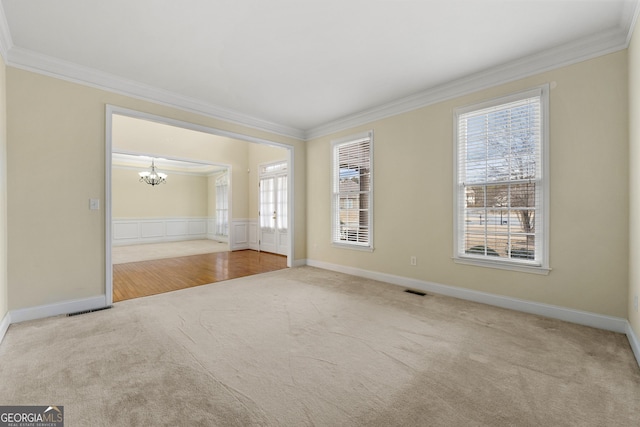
(609, 323)
(634, 342)
(299, 262)
(4, 325)
(56, 309)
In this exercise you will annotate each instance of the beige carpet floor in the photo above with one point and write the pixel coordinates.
(150, 251)
(304, 346)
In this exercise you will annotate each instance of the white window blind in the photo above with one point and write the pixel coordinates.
(222, 206)
(353, 192)
(500, 181)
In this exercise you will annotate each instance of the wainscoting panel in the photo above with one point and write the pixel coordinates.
(240, 235)
(198, 226)
(245, 234)
(151, 229)
(134, 231)
(125, 230)
(253, 235)
(211, 228)
(177, 228)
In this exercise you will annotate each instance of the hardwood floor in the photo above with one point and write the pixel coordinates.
(138, 279)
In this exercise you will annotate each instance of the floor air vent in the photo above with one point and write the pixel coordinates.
(88, 311)
(411, 291)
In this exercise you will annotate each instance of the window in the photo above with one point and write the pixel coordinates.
(222, 205)
(501, 183)
(352, 205)
(273, 197)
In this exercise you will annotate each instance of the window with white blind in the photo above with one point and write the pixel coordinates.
(501, 183)
(222, 205)
(352, 205)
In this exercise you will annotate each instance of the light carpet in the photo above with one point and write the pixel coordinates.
(305, 346)
(151, 251)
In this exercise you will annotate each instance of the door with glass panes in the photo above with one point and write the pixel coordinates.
(274, 233)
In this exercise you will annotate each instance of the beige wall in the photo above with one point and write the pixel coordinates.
(634, 191)
(4, 292)
(413, 194)
(56, 163)
(182, 196)
(163, 140)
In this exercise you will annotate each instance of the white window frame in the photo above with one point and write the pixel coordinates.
(335, 195)
(541, 264)
(222, 205)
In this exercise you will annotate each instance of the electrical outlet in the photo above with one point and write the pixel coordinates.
(635, 303)
(413, 260)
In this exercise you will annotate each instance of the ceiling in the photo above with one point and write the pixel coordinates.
(142, 163)
(305, 68)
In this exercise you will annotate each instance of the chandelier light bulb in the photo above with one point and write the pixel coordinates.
(153, 177)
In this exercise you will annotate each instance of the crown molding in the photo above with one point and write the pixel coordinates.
(629, 18)
(64, 70)
(570, 53)
(6, 43)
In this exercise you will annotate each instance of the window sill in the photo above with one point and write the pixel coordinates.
(502, 265)
(352, 246)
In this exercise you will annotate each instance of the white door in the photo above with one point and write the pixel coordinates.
(274, 233)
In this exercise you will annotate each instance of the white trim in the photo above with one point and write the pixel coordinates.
(634, 342)
(42, 64)
(4, 325)
(6, 42)
(502, 265)
(542, 236)
(112, 109)
(369, 246)
(56, 309)
(108, 214)
(135, 231)
(550, 59)
(245, 234)
(299, 263)
(630, 18)
(258, 229)
(122, 111)
(291, 210)
(587, 48)
(600, 321)
(167, 171)
(254, 234)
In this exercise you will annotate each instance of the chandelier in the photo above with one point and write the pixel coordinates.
(152, 176)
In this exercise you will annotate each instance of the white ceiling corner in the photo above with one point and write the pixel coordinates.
(293, 69)
(629, 18)
(5, 36)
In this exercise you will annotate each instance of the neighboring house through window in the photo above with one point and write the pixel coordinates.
(501, 183)
(353, 192)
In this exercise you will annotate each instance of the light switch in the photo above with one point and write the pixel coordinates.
(94, 204)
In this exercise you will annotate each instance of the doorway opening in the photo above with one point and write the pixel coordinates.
(208, 198)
